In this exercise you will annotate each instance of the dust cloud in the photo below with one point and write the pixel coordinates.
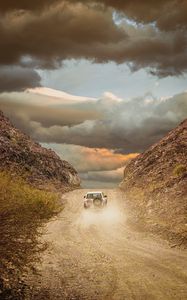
(101, 218)
(96, 254)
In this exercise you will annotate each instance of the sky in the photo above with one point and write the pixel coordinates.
(98, 81)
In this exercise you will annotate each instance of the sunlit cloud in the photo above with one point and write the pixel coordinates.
(92, 159)
(56, 97)
(102, 165)
(128, 126)
(97, 135)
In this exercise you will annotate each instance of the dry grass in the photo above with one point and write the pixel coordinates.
(23, 210)
(179, 170)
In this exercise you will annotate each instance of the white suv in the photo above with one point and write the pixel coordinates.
(95, 199)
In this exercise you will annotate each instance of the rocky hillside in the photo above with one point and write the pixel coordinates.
(156, 185)
(41, 167)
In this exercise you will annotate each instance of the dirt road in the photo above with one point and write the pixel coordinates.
(95, 255)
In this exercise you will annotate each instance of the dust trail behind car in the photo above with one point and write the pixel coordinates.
(105, 218)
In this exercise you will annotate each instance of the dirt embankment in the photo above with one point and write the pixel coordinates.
(32, 179)
(23, 212)
(156, 185)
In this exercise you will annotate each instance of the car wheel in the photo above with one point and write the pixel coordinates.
(97, 202)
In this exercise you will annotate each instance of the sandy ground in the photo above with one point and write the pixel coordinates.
(96, 255)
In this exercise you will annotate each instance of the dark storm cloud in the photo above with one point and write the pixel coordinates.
(8, 5)
(131, 125)
(167, 14)
(15, 78)
(59, 33)
(68, 29)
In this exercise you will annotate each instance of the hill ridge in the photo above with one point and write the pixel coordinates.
(156, 184)
(41, 167)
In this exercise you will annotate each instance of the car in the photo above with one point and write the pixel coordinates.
(95, 200)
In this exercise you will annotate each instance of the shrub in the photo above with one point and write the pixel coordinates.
(179, 170)
(23, 210)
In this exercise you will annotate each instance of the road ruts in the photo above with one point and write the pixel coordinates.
(95, 255)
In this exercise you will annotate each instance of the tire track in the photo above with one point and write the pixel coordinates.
(95, 255)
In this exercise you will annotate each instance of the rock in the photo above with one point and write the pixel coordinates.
(41, 167)
(157, 179)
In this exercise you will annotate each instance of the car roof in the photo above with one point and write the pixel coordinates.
(95, 192)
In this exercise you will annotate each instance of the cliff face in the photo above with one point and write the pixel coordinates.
(156, 184)
(41, 167)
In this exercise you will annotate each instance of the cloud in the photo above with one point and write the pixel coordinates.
(32, 112)
(58, 97)
(61, 32)
(8, 5)
(16, 78)
(91, 160)
(167, 14)
(113, 176)
(109, 122)
(70, 29)
(94, 165)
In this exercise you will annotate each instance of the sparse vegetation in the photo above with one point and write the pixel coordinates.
(156, 186)
(179, 170)
(23, 210)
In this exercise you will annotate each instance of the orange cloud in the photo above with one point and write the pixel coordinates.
(91, 159)
(105, 156)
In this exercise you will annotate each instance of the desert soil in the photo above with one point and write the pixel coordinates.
(97, 255)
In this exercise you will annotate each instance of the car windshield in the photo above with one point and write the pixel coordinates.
(94, 195)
